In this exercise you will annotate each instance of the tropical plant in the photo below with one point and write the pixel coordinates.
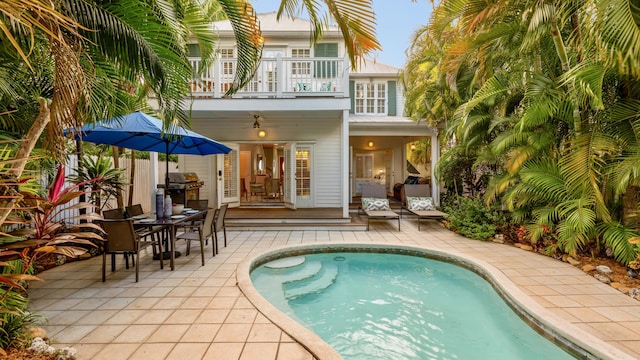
(15, 318)
(24, 248)
(471, 218)
(104, 179)
(420, 152)
(550, 107)
(47, 234)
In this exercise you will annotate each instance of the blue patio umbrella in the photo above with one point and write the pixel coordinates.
(140, 131)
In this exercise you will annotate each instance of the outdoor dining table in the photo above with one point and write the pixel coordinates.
(170, 224)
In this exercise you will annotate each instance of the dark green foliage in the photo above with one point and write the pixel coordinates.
(14, 317)
(471, 218)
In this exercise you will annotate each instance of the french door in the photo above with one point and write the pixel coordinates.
(298, 176)
(303, 175)
(228, 177)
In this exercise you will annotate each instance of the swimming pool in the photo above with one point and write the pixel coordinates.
(396, 306)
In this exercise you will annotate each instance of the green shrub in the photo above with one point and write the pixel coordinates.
(15, 320)
(471, 218)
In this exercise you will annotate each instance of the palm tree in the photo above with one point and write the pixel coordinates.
(96, 49)
(536, 104)
(104, 179)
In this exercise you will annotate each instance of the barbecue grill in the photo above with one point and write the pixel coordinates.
(183, 186)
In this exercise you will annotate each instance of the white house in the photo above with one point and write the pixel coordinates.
(308, 123)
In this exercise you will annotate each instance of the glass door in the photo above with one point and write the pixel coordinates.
(363, 171)
(288, 176)
(304, 180)
(229, 177)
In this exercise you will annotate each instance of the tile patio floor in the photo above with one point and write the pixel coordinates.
(198, 312)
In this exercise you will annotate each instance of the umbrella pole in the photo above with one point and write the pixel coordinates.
(166, 174)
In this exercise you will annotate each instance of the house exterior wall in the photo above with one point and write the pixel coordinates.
(323, 135)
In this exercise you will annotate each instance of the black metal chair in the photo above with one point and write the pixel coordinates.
(114, 214)
(219, 225)
(199, 232)
(121, 239)
(146, 231)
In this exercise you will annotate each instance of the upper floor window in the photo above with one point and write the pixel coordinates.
(225, 61)
(301, 67)
(371, 98)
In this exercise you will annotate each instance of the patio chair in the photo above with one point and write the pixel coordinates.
(146, 232)
(199, 205)
(219, 225)
(419, 202)
(376, 205)
(258, 187)
(199, 232)
(121, 239)
(114, 214)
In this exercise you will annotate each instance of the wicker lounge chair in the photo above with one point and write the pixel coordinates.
(376, 205)
(420, 203)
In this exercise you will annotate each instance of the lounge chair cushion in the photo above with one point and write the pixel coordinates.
(419, 203)
(375, 204)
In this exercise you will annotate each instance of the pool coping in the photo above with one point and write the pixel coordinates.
(581, 344)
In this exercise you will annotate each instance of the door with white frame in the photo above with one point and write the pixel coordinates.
(228, 174)
(304, 175)
(269, 69)
(288, 175)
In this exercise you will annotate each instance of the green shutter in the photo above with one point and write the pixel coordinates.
(194, 50)
(325, 69)
(391, 100)
(352, 96)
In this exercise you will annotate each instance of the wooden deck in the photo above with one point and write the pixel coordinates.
(279, 218)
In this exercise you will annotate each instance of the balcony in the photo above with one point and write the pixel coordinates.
(279, 77)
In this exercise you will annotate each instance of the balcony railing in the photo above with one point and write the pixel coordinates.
(279, 77)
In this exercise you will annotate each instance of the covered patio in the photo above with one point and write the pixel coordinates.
(199, 312)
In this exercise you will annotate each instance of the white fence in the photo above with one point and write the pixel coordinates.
(142, 186)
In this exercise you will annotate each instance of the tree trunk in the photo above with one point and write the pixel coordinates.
(630, 201)
(132, 176)
(116, 165)
(22, 155)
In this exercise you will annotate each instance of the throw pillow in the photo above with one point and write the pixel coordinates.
(418, 203)
(374, 204)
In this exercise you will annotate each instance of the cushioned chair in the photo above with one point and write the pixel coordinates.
(199, 232)
(258, 187)
(420, 203)
(375, 204)
(121, 239)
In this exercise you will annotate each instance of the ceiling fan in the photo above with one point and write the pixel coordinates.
(256, 123)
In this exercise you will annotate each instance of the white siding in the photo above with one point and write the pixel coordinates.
(327, 179)
(323, 133)
(200, 165)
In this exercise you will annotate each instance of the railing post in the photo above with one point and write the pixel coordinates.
(280, 70)
(345, 75)
(216, 79)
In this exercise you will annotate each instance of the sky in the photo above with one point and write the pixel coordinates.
(397, 20)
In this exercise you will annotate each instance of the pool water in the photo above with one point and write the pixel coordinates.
(392, 306)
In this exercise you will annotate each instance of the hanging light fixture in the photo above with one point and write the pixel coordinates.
(262, 133)
(370, 144)
(256, 124)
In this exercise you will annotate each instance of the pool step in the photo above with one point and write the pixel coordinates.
(298, 273)
(316, 283)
